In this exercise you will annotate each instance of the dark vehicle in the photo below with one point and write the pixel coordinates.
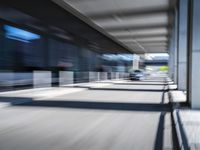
(137, 75)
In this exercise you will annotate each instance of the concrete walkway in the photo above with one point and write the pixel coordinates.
(188, 128)
(187, 121)
(120, 116)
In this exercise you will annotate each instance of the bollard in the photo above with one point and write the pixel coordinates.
(66, 77)
(42, 79)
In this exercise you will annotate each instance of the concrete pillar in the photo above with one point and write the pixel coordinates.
(175, 48)
(194, 55)
(136, 60)
(173, 53)
(182, 44)
(171, 58)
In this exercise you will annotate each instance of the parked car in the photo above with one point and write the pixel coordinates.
(137, 75)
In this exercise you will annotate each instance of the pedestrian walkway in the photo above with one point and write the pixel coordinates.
(187, 121)
(128, 115)
(188, 128)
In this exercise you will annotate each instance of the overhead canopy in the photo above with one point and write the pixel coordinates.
(141, 25)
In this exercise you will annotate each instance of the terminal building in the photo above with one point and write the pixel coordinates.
(54, 39)
(106, 74)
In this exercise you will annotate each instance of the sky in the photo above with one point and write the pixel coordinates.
(152, 55)
(158, 54)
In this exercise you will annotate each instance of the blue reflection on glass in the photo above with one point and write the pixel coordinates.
(19, 34)
(125, 57)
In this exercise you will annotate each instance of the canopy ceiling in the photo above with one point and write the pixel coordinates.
(142, 26)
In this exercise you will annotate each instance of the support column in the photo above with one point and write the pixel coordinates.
(171, 58)
(194, 55)
(175, 48)
(182, 44)
(136, 59)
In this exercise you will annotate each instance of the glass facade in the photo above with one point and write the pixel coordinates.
(30, 44)
(23, 50)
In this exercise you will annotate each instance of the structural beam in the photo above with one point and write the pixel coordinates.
(142, 36)
(138, 27)
(128, 13)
